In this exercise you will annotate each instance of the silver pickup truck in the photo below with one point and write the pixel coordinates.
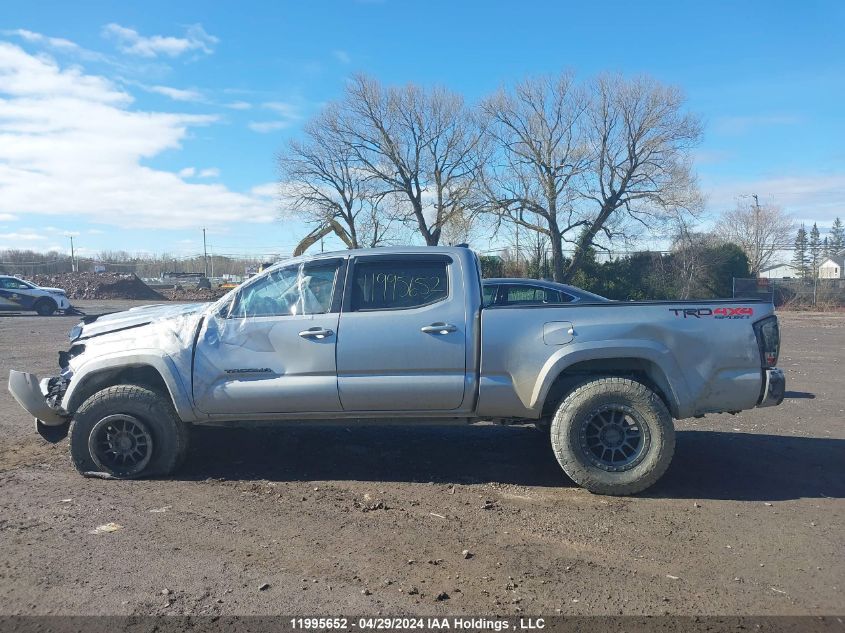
(400, 334)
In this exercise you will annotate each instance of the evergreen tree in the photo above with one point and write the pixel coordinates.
(825, 248)
(837, 237)
(800, 257)
(815, 251)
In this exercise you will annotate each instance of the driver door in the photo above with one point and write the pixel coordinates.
(272, 350)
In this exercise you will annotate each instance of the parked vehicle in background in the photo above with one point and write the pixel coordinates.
(17, 295)
(517, 291)
(400, 334)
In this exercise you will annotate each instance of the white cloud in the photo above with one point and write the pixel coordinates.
(71, 144)
(285, 109)
(8, 217)
(190, 172)
(22, 237)
(133, 43)
(29, 77)
(286, 114)
(263, 127)
(58, 43)
(239, 105)
(267, 190)
(96, 231)
(812, 198)
(177, 94)
(342, 56)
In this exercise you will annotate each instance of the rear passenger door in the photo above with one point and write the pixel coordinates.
(402, 336)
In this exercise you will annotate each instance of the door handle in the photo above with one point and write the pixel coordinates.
(438, 328)
(316, 332)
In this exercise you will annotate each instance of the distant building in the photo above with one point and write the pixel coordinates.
(833, 267)
(778, 271)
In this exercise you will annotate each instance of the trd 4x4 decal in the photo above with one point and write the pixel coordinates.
(727, 312)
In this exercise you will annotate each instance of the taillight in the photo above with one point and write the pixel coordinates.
(768, 340)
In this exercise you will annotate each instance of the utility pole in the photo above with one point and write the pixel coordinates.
(757, 233)
(204, 253)
(72, 258)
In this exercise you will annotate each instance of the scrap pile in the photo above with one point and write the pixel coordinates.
(193, 293)
(99, 286)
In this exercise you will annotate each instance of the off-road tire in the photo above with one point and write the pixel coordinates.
(45, 307)
(574, 458)
(169, 434)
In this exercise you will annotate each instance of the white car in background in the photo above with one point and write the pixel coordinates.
(17, 295)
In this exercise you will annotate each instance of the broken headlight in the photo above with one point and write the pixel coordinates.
(74, 333)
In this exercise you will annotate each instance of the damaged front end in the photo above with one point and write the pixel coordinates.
(42, 399)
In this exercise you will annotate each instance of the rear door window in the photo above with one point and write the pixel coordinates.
(399, 284)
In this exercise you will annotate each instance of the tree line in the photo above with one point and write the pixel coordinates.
(574, 165)
(28, 263)
(811, 250)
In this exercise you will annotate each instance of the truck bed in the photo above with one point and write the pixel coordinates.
(702, 355)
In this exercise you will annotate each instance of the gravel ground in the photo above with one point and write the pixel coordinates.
(434, 520)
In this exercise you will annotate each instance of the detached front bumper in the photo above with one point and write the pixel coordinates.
(774, 388)
(31, 394)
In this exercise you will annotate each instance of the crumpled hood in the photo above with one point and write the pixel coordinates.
(137, 317)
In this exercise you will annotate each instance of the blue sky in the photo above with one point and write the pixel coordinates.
(133, 125)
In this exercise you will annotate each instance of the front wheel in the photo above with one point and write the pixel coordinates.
(613, 436)
(46, 307)
(127, 431)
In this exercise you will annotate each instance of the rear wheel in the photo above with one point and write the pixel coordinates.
(613, 436)
(127, 431)
(45, 307)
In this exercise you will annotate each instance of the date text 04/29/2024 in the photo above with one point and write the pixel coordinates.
(419, 624)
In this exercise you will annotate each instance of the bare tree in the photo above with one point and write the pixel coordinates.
(538, 152)
(588, 163)
(640, 139)
(321, 179)
(759, 230)
(420, 144)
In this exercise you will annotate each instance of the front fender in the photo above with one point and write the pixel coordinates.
(178, 386)
(652, 351)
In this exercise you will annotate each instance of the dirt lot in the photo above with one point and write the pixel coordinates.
(749, 519)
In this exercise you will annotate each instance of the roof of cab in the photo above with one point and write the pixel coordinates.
(459, 251)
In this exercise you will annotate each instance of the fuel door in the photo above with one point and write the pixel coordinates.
(558, 332)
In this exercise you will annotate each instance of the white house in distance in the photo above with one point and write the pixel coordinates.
(778, 271)
(833, 267)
